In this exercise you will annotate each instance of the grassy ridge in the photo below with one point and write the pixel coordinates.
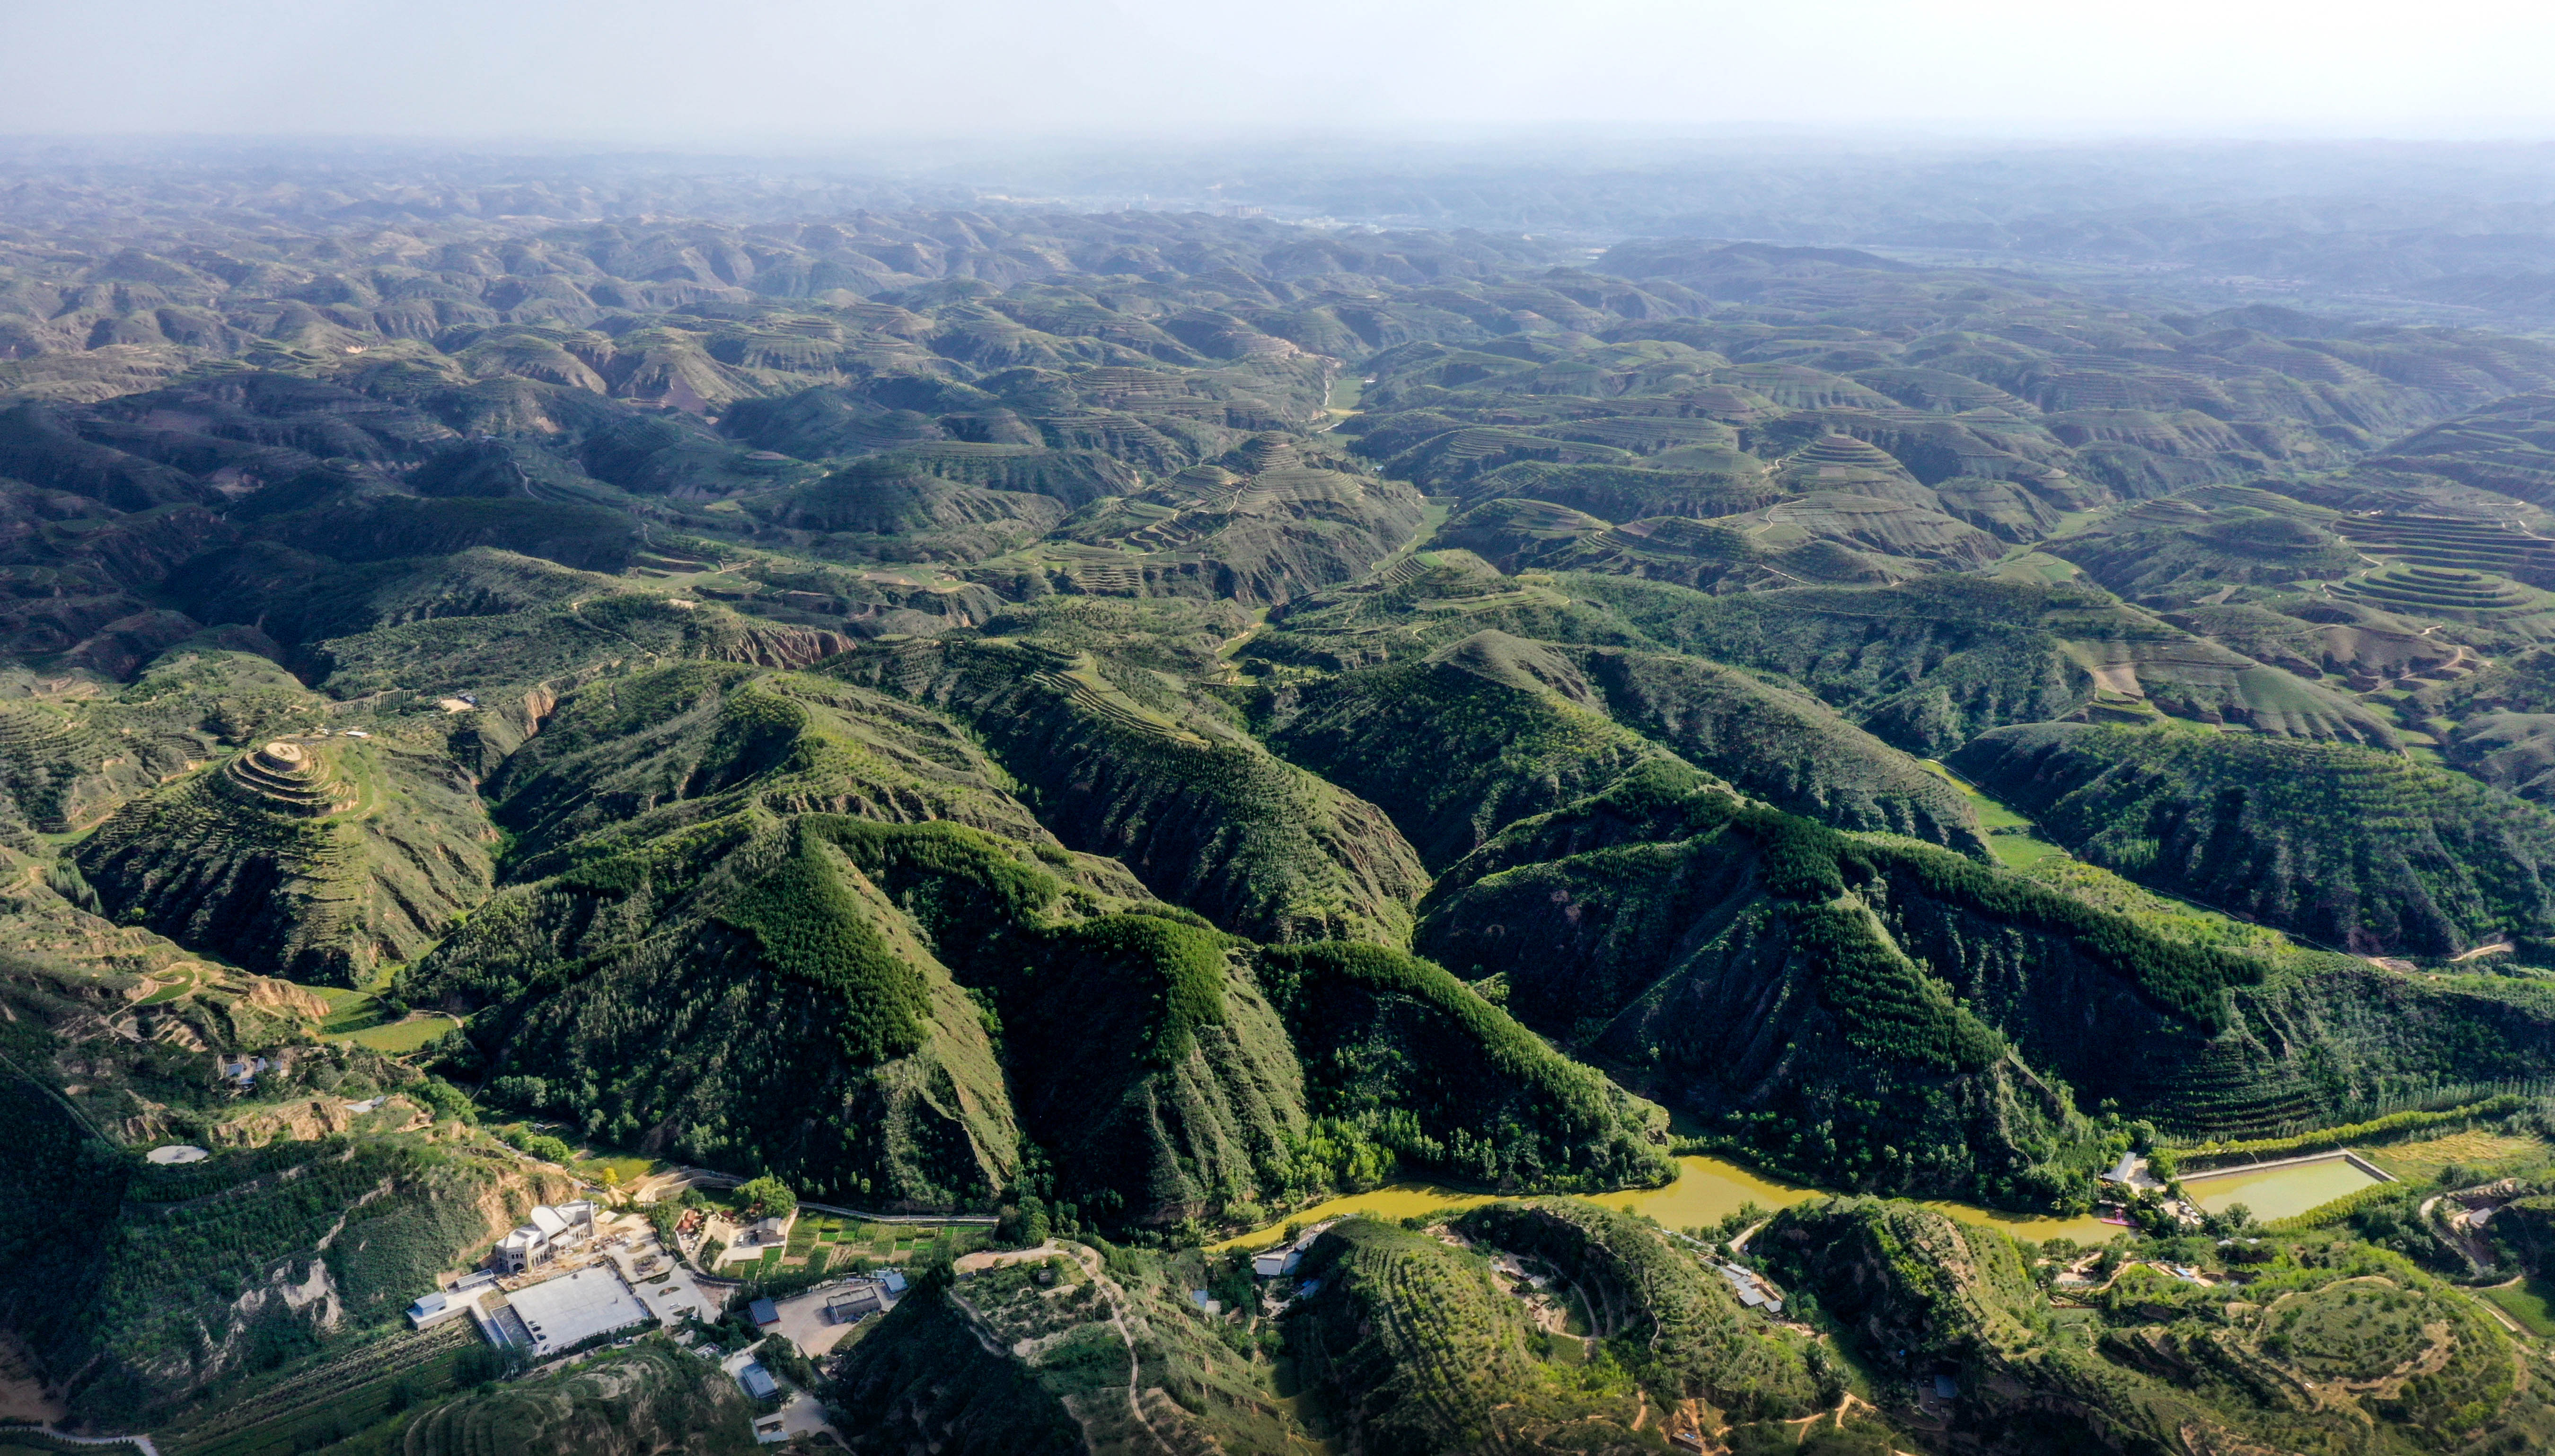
(2372, 852)
(811, 926)
(1677, 1326)
(1204, 815)
(1457, 748)
(1400, 1050)
(827, 997)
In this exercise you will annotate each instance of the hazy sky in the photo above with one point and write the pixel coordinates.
(835, 72)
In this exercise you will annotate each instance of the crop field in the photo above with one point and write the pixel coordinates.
(2442, 589)
(349, 1010)
(2010, 835)
(331, 1399)
(2420, 1162)
(820, 1242)
(2531, 1303)
(180, 983)
(2445, 541)
(400, 1037)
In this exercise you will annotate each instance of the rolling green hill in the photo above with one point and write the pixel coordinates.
(1413, 1350)
(1644, 1291)
(2320, 1356)
(836, 895)
(317, 857)
(797, 983)
(1534, 726)
(1877, 1014)
(1140, 724)
(1121, 763)
(1457, 746)
(2364, 850)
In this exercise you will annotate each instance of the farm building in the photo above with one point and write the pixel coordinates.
(854, 1304)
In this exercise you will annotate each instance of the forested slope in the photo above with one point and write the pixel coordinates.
(2354, 848)
(1149, 722)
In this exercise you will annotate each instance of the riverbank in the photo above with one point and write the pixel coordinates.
(1706, 1191)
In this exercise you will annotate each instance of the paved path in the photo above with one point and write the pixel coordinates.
(670, 1296)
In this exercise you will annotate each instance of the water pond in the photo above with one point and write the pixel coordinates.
(2278, 1192)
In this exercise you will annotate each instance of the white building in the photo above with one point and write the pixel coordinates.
(442, 1305)
(436, 1308)
(548, 1233)
(1278, 1262)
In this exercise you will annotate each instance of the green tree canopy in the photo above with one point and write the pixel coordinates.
(769, 1197)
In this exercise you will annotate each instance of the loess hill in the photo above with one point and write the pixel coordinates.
(1153, 721)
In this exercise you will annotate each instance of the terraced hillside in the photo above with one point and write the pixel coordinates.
(1083, 1349)
(1874, 1014)
(1534, 726)
(1644, 1289)
(649, 1399)
(2358, 849)
(1550, 1326)
(1929, 665)
(319, 859)
(1412, 1349)
(1140, 725)
(171, 1283)
(2333, 1350)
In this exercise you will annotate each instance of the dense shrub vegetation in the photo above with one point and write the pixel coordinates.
(1134, 726)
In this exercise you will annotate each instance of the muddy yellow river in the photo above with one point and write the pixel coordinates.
(1706, 1191)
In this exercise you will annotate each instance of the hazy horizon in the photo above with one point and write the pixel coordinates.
(795, 77)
